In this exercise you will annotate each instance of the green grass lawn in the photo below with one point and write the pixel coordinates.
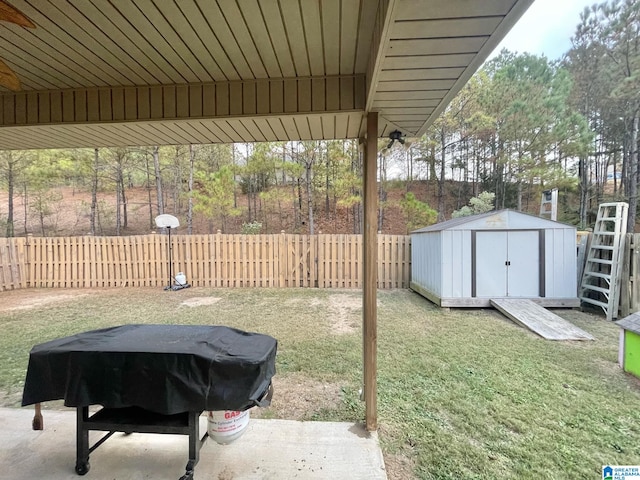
(461, 393)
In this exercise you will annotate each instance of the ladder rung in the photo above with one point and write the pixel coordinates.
(605, 288)
(595, 302)
(603, 247)
(593, 288)
(598, 259)
(606, 258)
(602, 255)
(602, 261)
(599, 275)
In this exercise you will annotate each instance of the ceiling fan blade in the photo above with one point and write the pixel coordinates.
(11, 14)
(8, 78)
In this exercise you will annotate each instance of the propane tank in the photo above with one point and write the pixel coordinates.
(181, 279)
(226, 426)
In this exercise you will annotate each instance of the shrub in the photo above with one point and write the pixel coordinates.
(251, 228)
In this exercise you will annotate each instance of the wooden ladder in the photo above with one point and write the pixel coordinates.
(600, 284)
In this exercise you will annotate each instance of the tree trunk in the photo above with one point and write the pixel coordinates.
(519, 183)
(382, 194)
(308, 171)
(125, 214)
(233, 160)
(296, 210)
(475, 177)
(327, 182)
(177, 180)
(25, 210)
(584, 191)
(433, 176)
(94, 193)
(156, 166)
(249, 203)
(354, 218)
(118, 206)
(41, 216)
(356, 166)
(119, 193)
(255, 200)
(519, 193)
(280, 215)
(441, 204)
(299, 203)
(633, 175)
(498, 174)
(151, 223)
(10, 188)
(192, 156)
(327, 203)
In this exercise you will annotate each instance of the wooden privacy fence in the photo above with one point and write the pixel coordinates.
(281, 260)
(630, 282)
(11, 264)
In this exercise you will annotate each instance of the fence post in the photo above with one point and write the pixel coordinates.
(633, 276)
(583, 242)
(626, 281)
(21, 262)
(34, 256)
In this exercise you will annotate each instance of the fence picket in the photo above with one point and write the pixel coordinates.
(5, 261)
(216, 273)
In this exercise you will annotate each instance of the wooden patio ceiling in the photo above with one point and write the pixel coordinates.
(145, 72)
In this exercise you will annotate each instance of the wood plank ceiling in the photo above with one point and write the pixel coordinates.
(140, 72)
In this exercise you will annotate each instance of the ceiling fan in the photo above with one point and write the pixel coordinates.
(8, 13)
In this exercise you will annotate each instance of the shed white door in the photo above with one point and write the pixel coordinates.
(507, 264)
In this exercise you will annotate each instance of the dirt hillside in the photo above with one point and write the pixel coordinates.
(68, 213)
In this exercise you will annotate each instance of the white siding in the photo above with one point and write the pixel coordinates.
(456, 263)
(560, 263)
(448, 253)
(426, 267)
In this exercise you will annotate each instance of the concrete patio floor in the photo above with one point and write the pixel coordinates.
(269, 449)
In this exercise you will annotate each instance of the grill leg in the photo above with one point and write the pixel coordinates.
(195, 444)
(38, 422)
(82, 441)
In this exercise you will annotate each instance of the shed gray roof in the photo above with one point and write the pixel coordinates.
(631, 323)
(456, 222)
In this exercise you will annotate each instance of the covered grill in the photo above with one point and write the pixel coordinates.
(151, 379)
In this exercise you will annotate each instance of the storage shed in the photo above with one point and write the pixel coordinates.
(467, 261)
(629, 352)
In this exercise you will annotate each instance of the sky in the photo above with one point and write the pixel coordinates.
(546, 28)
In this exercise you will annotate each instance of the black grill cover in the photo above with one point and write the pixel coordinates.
(167, 369)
